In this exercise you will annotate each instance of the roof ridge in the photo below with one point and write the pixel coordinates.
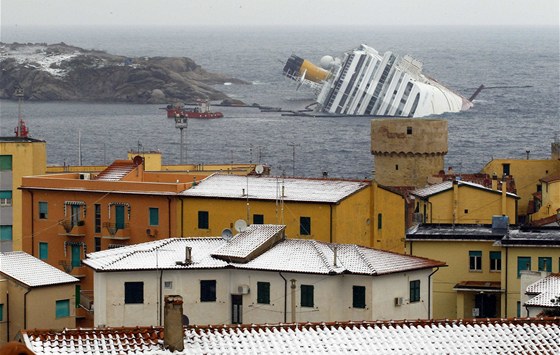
(322, 255)
(363, 257)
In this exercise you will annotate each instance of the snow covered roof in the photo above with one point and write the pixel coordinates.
(31, 271)
(453, 232)
(546, 290)
(482, 336)
(272, 188)
(448, 185)
(289, 255)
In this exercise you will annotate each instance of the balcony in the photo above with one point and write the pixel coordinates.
(86, 300)
(68, 228)
(116, 231)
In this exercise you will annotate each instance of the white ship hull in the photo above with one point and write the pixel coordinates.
(367, 83)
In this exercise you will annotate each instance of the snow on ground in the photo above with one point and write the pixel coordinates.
(37, 56)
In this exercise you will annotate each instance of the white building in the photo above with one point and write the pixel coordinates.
(543, 296)
(258, 276)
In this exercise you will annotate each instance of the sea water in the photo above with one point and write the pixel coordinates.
(520, 114)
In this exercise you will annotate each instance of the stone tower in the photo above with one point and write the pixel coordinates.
(407, 151)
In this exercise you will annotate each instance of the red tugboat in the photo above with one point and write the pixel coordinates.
(201, 110)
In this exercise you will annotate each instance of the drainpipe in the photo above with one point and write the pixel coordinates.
(293, 281)
(182, 217)
(504, 200)
(160, 297)
(330, 224)
(455, 200)
(25, 308)
(506, 288)
(285, 297)
(7, 316)
(169, 216)
(430, 292)
(32, 227)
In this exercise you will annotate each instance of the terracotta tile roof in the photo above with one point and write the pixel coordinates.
(545, 290)
(290, 255)
(272, 188)
(477, 336)
(31, 271)
(551, 178)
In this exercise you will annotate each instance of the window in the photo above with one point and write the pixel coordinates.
(409, 130)
(1, 312)
(119, 217)
(202, 219)
(168, 284)
(154, 216)
(258, 219)
(466, 211)
(414, 291)
(97, 221)
(5, 162)
(133, 292)
(78, 294)
(5, 238)
(43, 250)
(43, 210)
(545, 264)
(76, 256)
(495, 260)
(518, 309)
(523, 263)
(307, 296)
(475, 260)
(97, 241)
(379, 221)
(5, 198)
(207, 290)
(359, 296)
(62, 308)
(263, 292)
(305, 225)
(397, 167)
(505, 169)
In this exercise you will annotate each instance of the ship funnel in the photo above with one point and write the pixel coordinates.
(297, 68)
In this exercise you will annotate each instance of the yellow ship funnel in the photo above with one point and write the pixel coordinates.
(297, 68)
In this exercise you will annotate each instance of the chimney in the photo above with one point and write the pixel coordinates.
(173, 323)
(188, 255)
(335, 254)
(494, 182)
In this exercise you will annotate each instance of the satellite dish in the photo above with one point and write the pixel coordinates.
(138, 160)
(227, 234)
(259, 169)
(240, 225)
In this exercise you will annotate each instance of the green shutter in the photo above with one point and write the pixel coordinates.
(43, 251)
(263, 292)
(5, 232)
(154, 216)
(523, 263)
(62, 308)
(6, 195)
(307, 296)
(5, 162)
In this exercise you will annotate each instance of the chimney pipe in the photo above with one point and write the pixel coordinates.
(335, 252)
(173, 323)
(188, 255)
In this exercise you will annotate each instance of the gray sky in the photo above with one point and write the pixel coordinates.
(279, 12)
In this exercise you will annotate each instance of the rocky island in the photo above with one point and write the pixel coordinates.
(62, 72)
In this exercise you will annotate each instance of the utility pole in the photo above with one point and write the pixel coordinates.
(293, 145)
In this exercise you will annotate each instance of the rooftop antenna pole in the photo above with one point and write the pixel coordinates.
(293, 145)
(21, 129)
(80, 147)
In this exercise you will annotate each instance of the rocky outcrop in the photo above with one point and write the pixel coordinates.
(63, 72)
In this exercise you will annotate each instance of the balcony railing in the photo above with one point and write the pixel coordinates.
(120, 231)
(71, 228)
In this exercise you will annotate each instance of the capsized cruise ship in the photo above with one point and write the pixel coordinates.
(365, 82)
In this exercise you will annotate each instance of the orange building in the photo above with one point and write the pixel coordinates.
(69, 215)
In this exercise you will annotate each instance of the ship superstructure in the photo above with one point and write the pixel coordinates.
(365, 82)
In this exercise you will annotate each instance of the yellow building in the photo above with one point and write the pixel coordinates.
(330, 210)
(34, 294)
(19, 156)
(527, 174)
(484, 264)
(463, 202)
(549, 206)
(535, 249)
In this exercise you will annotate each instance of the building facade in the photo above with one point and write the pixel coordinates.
(19, 156)
(258, 276)
(34, 294)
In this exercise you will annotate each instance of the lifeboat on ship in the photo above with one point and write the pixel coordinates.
(200, 110)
